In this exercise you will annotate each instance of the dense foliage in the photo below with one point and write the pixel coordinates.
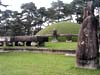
(31, 19)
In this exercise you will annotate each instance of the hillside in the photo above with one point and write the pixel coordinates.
(62, 28)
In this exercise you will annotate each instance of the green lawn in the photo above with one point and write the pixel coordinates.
(61, 45)
(27, 63)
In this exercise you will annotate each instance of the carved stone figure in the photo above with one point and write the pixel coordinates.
(88, 50)
(55, 35)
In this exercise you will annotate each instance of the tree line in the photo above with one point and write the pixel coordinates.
(31, 19)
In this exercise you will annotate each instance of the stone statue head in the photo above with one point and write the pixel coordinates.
(88, 8)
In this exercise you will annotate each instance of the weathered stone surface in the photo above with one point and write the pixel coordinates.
(55, 36)
(88, 49)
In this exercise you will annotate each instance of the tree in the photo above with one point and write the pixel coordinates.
(42, 16)
(51, 14)
(42, 13)
(68, 10)
(58, 6)
(29, 15)
(77, 6)
(4, 23)
(16, 24)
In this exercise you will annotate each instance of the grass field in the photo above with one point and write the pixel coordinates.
(26, 63)
(62, 28)
(61, 45)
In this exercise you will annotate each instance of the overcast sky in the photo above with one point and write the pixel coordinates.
(15, 4)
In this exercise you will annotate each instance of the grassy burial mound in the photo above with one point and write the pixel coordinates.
(62, 28)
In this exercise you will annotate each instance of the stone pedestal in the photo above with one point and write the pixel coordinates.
(88, 64)
(54, 40)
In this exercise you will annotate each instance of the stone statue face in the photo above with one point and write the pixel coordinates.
(89, 4)
(90, 7)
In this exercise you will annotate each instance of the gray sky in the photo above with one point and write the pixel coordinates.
(15, 4)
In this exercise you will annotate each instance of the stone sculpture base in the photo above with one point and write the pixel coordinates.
(54, 40)
(88, 64)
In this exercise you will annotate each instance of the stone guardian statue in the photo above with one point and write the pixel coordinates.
(55, 35)
(87, 54)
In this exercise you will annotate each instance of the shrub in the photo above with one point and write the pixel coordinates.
(61, 39)
(74, 38)
(64, 38)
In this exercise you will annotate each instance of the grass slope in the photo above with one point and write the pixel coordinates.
(16, 63)
(62, 28)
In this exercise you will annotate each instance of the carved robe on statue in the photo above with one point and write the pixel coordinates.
(88, 50)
